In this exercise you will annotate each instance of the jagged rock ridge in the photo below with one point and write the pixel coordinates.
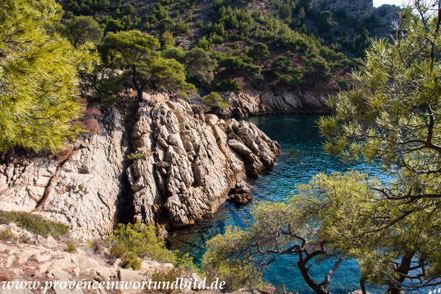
(182, 166)
(188, 162)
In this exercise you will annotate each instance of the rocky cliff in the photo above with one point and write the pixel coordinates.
(250, 103)
(159, 161)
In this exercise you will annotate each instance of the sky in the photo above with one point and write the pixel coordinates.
(381, 2)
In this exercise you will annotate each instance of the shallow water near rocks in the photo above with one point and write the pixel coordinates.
(302, 157)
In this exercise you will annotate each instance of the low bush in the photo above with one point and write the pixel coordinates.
(130, 260)
(214, 100)
(133, 242)
(142, 240)
(118, 250)
(227, 85)
(166, 278)
(34, 223)
(6, 235)
(70, 247)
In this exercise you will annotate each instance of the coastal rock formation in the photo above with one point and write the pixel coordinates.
(164, 162)
(187, 162)
(250, 103)
(241, 193)
(80, 186)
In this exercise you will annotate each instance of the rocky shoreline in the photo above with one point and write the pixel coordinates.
(252, 103)
(161, 161)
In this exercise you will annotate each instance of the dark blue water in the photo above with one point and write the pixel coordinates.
(302, 157)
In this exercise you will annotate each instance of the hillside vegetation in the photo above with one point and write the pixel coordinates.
(95, 49)
(230, 45)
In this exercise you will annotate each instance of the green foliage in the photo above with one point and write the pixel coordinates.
(167, 277)
(130, 260)
(38, 77)
(390, 116)
(221, 261)
(259, 52)
(235, 63)
(136, 156)
(240, 255)
(135, 53)
(228, 35)
(228, 85)
(82, 29)
(177, 53)
(109, 87)
(133, 242)
(200, 65)
(6, 235)
(118, 250)
(34, 223)
(215, 100)
(167, 39)
(142, 240)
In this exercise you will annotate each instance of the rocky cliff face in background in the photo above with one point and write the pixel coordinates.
(251, 103)
(162, 161)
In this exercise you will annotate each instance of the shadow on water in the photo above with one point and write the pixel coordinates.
(302, 157)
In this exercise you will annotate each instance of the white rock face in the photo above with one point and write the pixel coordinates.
(80, 187)
(183, 165)
(249, 103)
(188, 163)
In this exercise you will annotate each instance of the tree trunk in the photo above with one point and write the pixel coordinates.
(139, 88)
(363, 286)
(403, 270)
(139, 91)
(304, 270)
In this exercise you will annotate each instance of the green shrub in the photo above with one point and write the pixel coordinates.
(118, 250)
(142, 240)
(227, 85)
(166, 277)
(136, 156)
(215, 100)
(6, 235)
(130, 260)
(34, 223)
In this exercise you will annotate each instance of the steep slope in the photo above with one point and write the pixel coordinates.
(295, 52)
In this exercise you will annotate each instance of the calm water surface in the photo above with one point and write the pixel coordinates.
(302, 157)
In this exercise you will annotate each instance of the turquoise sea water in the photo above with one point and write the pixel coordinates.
(302, 157)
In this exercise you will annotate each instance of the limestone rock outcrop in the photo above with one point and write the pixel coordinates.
(187, 162)
(241, 193)
(251, 103)
(80, 186)
(159, 161)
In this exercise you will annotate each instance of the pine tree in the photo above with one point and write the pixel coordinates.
(136, 54)
(38, 77)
